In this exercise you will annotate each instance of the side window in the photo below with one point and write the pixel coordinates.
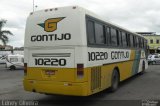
(137, 42)
(151, 41)
(13, 59)
(113, 37)
(134, 43)
(128, 40)
(108, 35)
(139, 39)
(157, 41)
(90, 32)
(131, 40)
(124, 40)
(156, 56)
(99, 34)
(120, 38)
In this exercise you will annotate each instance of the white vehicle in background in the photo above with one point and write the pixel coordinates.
(2, 59)
(15, 61)
(153, 59)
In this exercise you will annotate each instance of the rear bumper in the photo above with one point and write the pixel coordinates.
(61, 88)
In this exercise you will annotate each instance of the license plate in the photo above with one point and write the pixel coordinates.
(50, 72)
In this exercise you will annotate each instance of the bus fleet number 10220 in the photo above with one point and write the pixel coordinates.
(50, 61)
(95, 56)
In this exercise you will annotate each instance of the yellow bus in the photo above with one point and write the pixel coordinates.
(72, 51)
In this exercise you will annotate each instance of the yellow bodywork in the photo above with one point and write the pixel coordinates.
(65, 80)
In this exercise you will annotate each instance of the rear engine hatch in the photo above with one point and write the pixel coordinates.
(55, 64)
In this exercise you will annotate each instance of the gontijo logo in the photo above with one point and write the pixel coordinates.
(50, 25)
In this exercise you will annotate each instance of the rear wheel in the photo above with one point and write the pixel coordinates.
(114, 81)
(12, 67)
(153, 62)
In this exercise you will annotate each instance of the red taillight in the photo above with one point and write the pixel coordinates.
(80, 70)
(25, 68)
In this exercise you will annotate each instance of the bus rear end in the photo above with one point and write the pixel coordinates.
(51, 38)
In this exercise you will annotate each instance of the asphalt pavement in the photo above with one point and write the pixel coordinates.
(135, 89)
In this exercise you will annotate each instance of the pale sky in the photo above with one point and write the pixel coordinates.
(134, 15)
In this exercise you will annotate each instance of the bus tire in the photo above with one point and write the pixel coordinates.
(114, 80)
(12, 67)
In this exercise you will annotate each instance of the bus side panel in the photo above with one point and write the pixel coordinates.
(143, 61)
(125, 68)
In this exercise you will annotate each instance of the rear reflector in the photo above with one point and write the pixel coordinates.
(25, 68)
(80, 70)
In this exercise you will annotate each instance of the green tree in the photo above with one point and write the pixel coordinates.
(4, 33)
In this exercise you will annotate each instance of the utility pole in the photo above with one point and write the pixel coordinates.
(33, 5)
